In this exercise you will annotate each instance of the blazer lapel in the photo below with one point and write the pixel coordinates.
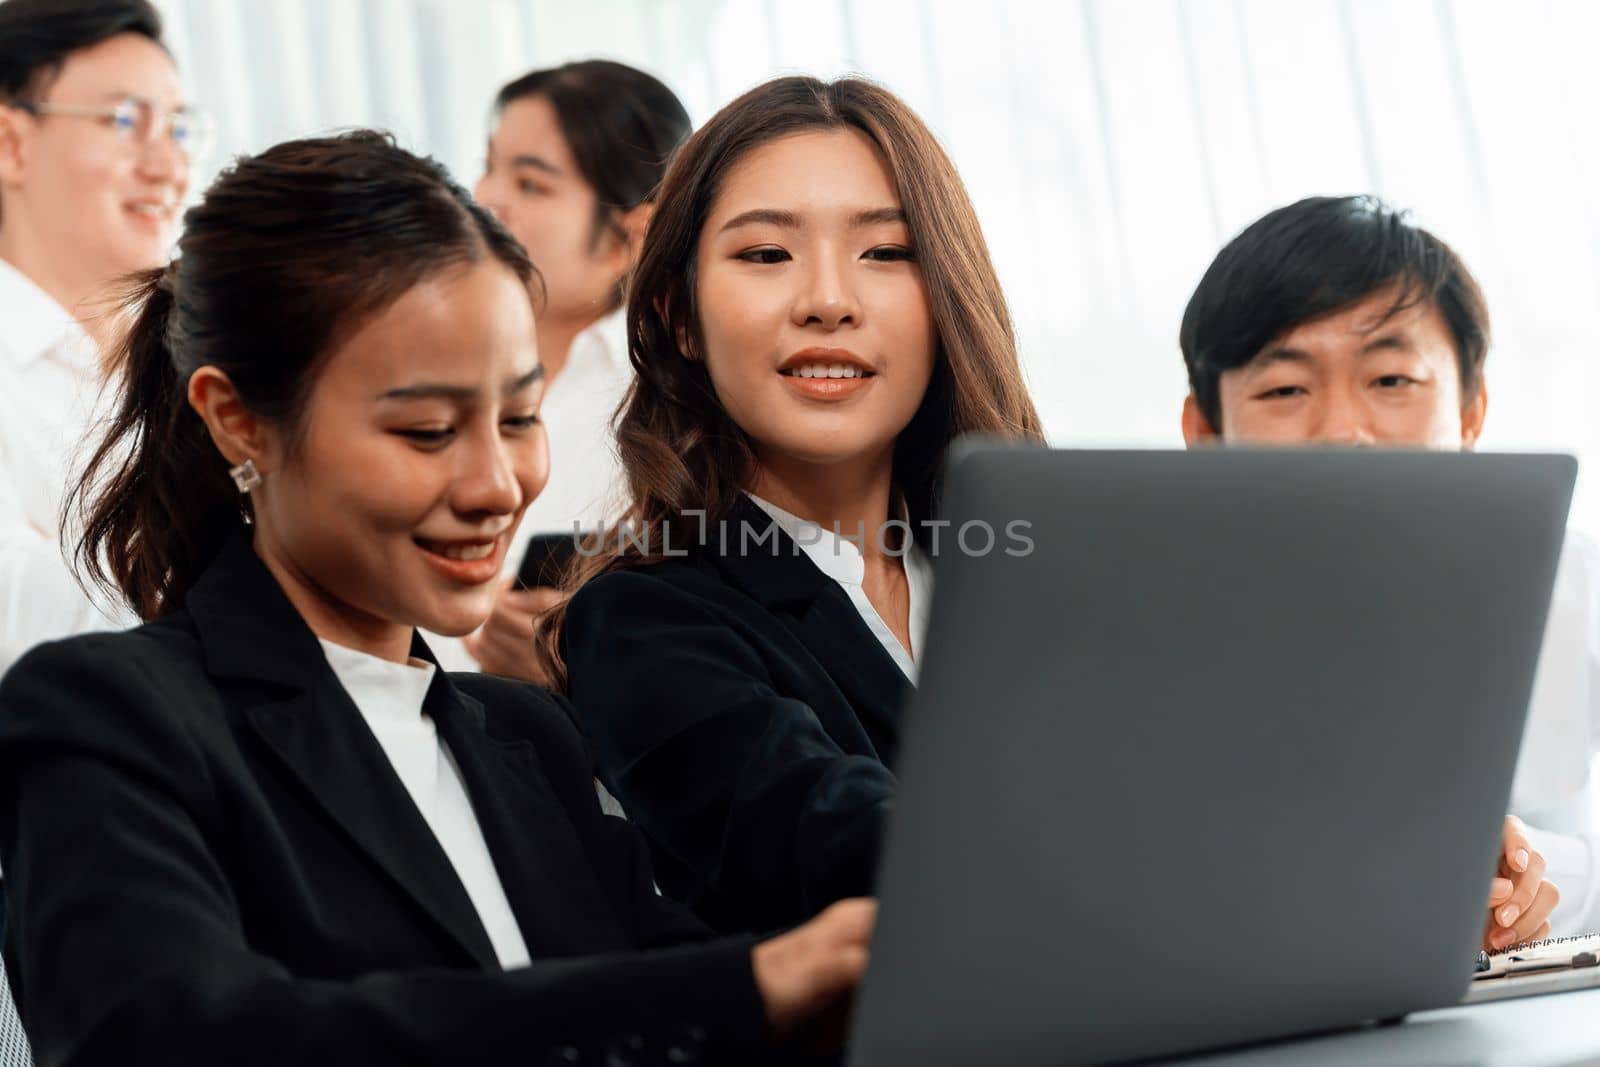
(822, 617)
(833, 631)
(322, 741)
(251, 632)
(560, 905)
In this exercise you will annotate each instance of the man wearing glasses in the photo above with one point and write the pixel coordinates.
(96, 146)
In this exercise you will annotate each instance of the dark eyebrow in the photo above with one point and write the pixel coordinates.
(439, 391)
(1390, 342)
(516, 385)
(537, 163)
(790, 221)
(1279, 354)
(877, 217)
(771, 216)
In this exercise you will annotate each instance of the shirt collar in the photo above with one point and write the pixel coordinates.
(607, 338)
(34, 324)
(396, 690)
(836, 554)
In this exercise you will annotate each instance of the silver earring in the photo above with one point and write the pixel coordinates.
(245, 476)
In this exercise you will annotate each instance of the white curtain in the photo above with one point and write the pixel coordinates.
(1111, 146)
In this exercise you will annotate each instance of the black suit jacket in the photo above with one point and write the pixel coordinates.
(745, 716)
(210, 860)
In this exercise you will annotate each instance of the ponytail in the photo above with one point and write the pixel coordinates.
(288, 249)
(155, 498)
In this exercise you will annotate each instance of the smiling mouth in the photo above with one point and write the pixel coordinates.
(459, 550)
(826, 370)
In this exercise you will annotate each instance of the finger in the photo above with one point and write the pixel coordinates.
(841, 971)
(1515, 846)
(488, 662)
(1524, 887)
(513, 659)
(510, 625)
(1500, 891)
(1490, 929)
(1538, 913)
(1532, 921)
(491, 642)
(527, 605)
(505, 650)
(849, 921)
(544, 598)
(1501, 938)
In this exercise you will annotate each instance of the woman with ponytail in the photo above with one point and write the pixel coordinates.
(155, 523)
(264, 827)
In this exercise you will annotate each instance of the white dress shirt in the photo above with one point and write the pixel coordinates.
(585, 484)
(840, 558)
(1554, 790)
(48, 425)
(389, 696)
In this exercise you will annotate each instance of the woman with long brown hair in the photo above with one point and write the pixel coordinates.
(264, 827)
(814, 318)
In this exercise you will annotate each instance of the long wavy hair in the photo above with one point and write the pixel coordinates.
(680, 450)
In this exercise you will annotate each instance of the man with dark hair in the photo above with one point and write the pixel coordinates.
(1338, 321)
(95, 150)
(1368, 277)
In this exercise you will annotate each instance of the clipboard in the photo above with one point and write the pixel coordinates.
(1533, 957)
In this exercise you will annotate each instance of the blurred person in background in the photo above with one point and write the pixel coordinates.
(96, 144)
(573, 162)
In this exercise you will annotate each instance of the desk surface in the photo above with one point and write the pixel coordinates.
(1558, 1030)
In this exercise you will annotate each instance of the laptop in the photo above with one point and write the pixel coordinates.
(1221, 756)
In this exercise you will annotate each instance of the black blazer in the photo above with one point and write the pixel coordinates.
(745, 716)
(209, 859)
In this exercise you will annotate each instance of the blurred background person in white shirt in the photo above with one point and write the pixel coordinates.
(573, 162)
(96, 142)
(1337, 321)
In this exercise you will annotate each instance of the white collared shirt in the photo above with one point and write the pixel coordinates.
(48, 425)
(390, 697)
(585, 484)
(839, 557)
(1554, 790)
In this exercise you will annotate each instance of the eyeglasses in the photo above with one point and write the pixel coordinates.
(138, 124)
